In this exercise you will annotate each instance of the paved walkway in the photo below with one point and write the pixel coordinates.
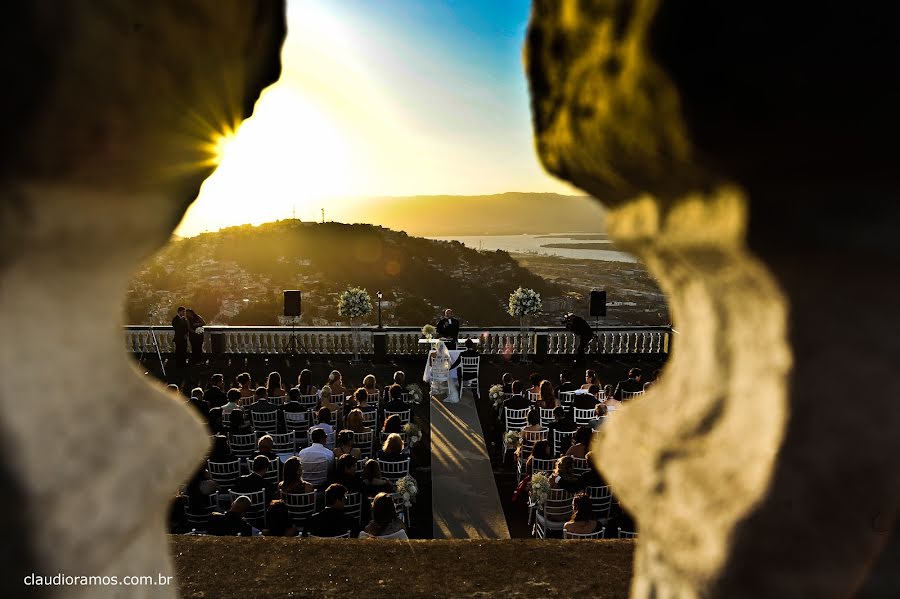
(464, 496)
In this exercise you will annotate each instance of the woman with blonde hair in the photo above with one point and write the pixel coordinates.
(393, 449)
(336, 383)
(355, 422)
(564, 476)
(325, 401)
(371, 387)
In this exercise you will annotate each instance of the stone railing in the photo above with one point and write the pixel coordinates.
(400, 341)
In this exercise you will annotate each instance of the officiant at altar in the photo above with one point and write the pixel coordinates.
(448, 329)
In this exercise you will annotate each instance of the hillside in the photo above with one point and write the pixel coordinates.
(500, 214)
(236, 276)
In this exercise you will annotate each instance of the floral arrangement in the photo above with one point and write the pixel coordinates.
(412, 432)
(355, 303)
(512, 439)
(539, 488)
(524, 302)
(199, 330)
(496, 395)
(407, 488)
(429, 331)
(415, 392)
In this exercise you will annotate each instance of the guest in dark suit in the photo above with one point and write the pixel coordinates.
(182, 329)
(469, 352)
(256, 481)
(215, 394)
(565, 383)
(517, 400)
(561, 423)
(195, 321)
(232, 522)
(332, 521)
(198, 403)
(631, 384)
(262, 403)
(507, 380)
(448, 329)
(585, 333)
(586, 401)
(395, 399)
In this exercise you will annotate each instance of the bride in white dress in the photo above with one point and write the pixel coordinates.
(443, 385)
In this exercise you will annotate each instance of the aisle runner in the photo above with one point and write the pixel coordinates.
(464, 496)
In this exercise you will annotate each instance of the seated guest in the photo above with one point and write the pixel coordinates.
(332, 521)
(325, 401)
(547, 398)
(580, 442)
(362, 403)
(600, 412)
(399, 380)
(173, 389)
(582, 521)
(262, 403)
(533, 425)
(324, 423)
(393, 449)
(542, 451)
(592, 478)
(469, 352)
(608, 392)
(355, 422)
(653, 379)
(291, 406)
(343, 445)
(590, 378)
(199, 489)
(232, 522)
(384, 523)
(631, 384)
(345, 474)
(274, 387)
(395, 399)
(507, 380)
(200, 405)
(236, 423)
(246, 390)
(517, 400)
(215, 394)
(535, 378)
(233, 400)
(561, 422)
(564, 476)
(373, 482)
(279, 521)
(256, 480)
(214, 421)
(317, 460)
(335, 383)
(565, 382)
(393, 424)
(371, 387)
(265, 445)
(221, 451)
(586, 401)
(304, 383)
(292, 482)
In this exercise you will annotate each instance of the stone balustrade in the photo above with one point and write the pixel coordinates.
(401, 341)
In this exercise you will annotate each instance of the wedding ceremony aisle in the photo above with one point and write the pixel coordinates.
(465, 503)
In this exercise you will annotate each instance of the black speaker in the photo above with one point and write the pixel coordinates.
(598, 303)
(291, 302)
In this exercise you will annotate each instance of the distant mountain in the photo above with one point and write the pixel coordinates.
(237, 275)
(509, 213)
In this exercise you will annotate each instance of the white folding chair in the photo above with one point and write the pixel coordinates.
(199, 520)
(400, 507)
(546, 416)
(552, 514)
(533, 397)
(529, 438)
(374, 396)
(353, 505)
(297, 423)
(243, 446)
(364, 442)
(385, 435)
(628, 395)
(278, 399)
(590, 535)
(565, 397)
(308, 401)
(224, 473)
(265, 422)
(273, 471)
(370, 418)
(624, 534)
(346, 535)
(300, 506)
(394, 471)
(257, 512)
(515, 421)
(537, 465)
(561, 440)
(580, 465)
(315, 471)
(284, 443)
(601, 502)
(470, 366)
(582, 416)
(404, 416)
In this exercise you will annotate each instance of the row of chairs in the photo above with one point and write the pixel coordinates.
(551, 515)
(547, 466)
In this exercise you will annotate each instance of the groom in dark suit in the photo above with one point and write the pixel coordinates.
(182, 330)
(448, 328)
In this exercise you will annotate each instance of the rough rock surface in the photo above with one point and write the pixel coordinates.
(110, 109)
(748, 156)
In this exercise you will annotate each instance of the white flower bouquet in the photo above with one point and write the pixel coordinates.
(539, 488)
(512, 439)
(355, 303)
(496, 395)
(524, 302)
(199, 330)
(415, 393)
(407, 488)
(429, 331)
(412, 432)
